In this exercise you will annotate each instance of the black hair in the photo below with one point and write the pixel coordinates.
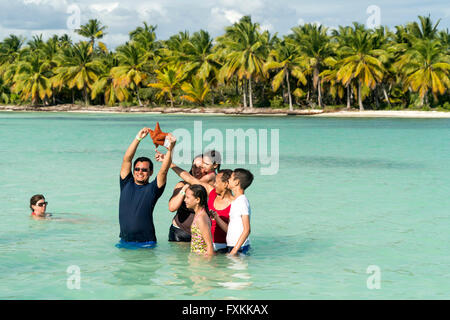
(226, 174)
(143, 159)
(34, 199)
(197, 156)
(200, 192)
(215, 156)
(244, 177)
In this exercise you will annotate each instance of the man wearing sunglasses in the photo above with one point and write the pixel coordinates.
(138, 197)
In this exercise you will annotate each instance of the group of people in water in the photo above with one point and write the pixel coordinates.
(212, 211)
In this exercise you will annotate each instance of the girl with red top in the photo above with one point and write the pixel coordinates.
(219, 202)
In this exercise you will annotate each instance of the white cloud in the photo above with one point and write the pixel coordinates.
(246, 6)
(232, 16)
(56, 4)
(108, 7)
(220, 18)
(150, 10)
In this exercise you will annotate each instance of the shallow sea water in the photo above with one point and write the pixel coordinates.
(349, 194)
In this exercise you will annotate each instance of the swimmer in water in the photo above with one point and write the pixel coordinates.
(38, 206)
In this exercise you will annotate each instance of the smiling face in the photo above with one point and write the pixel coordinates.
(197, 168)
(142, 172)
(190, 200)
(208, 164)
(40, 207)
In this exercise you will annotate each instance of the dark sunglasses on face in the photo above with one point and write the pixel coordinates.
(141, 169)
(42, 204)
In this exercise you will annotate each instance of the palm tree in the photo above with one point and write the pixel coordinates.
(198, 56)
(145, 36)
(244, 54)
(362, 62)
(424, 30)
(169, 80)
(93, 30)
(196, 91)
(36, 42)
(106, 84)
(10, 49)
(425, 68)
(32, 79)
(133, 68)
(78, 68)
(4, 92)
(286, 61)
(315, 46)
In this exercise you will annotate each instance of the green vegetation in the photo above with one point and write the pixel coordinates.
(312, 67)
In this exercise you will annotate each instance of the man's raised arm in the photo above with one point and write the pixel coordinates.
(129, 154)
(161, 178)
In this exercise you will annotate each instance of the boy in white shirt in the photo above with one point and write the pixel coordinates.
(238, 228)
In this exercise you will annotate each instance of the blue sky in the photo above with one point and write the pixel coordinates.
(48, 17)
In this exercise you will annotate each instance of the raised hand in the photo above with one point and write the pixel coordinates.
(172, 140)
(142, 133)
(159, 156)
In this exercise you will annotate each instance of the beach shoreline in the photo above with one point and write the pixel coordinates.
(229, 111)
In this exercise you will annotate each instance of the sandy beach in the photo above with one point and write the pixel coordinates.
(386, 114)
(230, 111)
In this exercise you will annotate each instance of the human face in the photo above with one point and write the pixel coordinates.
(232, 182)
(190, 200)
(197, 168)
(208, 165)
(142, 172)
(40, 207)
(219, 184)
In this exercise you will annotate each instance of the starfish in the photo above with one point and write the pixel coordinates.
(157, 135)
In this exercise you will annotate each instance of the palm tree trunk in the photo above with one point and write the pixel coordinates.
(244, 92)
(139, 98)
(250, 93)
(86, 98)
(386, 96)
(375, 92)
(361, 107)
(291, 108)
(319, 88)
(348, 96)
(73, 96)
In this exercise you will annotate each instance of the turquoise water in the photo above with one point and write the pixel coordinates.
(349, 194)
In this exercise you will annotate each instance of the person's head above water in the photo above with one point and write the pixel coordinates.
(143, 169)
(221, 182)
(38, 205)
(197, 170)
(211, 161)
(196, 197)
(241, 178)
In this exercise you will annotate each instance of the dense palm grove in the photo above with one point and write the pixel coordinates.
(312, 67)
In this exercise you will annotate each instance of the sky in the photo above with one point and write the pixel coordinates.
(49, 17)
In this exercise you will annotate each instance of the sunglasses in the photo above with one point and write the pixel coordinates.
(141, 169)
(42, 204)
